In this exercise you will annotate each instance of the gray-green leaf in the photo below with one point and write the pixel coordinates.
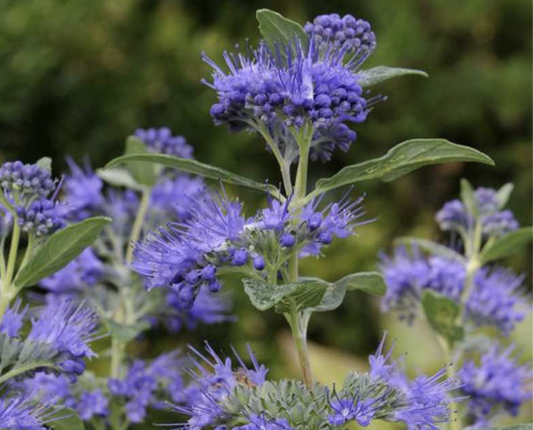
(68, 420)
(368, 282)
(507, 245)
(145, 174)
(441, 314)
(119, 178)
(195, 167)
(125, 333)
(308, 294)
(383, 73)
(504, 194)
(400, 160)
(264, 295)
(431, 247)
(59, 249)
(276, 29)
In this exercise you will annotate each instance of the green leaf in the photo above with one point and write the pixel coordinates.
(119, 178)
(400, 160)
(69, 420)
(468, 197)
(383, 73)
(145, 174)
(333, 298)
(45, 163)
(507, 245)
(195, 167)
(278, 30)
(441, 314)
(431, 247)
(504, 194)
(125, 333)
(59, 249)
(308, 294)
(368, 282)
(264, 295)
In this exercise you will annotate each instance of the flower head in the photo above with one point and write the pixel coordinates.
(13, 319)
(497, 382)
(68, 329)
(286, 88)
(161, 140)
(25, 182)
(83, 190)
(18, 412)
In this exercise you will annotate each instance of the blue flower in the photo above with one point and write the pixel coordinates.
(214, 380)
(161, 140)
(276, 91)
(68, 329)
(261, 422)
(83, 190)
(18, 412)
(347, 32)
(144, 382)
(13, 318)
(41, 217)
(425, 400)
(174, 198)
(84, 271)
(25, 182)
(345, 410)
(497, 382)
(494, 222)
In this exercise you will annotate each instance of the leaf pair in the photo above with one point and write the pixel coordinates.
(311, 294)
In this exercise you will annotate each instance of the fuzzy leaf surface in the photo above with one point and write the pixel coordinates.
(376, 75)
(59, 249)
(401, 160)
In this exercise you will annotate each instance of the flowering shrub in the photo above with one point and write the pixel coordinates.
(145, 242)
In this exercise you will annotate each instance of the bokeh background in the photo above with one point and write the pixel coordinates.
(77, 77)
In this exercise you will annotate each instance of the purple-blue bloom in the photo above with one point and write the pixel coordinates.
(68, 328)
(497, 382)
(353, 409)
(275, 90)
(41, 217)
(13, 319)
(215, 379)
(494, 222)
(143, 383)
(19, 412)
(347, 33)
(83, 189)
(426, 399)
(494, 298)
(25, 182)
(84, 271)
(161, 140)
(261, 422)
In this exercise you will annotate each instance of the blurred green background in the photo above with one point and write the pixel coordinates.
(77, 77)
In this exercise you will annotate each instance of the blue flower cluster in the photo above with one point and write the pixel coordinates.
(494, 299)
(187, 256)
(494, 221)
(348, 33)
(28, 190)
(497, 382)
(144, 382)
(222, 395)
(18, 412)
(162, 141)
(280, 91)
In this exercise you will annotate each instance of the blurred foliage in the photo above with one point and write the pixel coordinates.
(78, 77)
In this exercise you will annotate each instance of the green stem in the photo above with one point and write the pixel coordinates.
(299, 334)
(25, 368)
(297, 321)
(117, 356)
(451, 373)
(137, 225)
(284, 168)
(13, 250)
